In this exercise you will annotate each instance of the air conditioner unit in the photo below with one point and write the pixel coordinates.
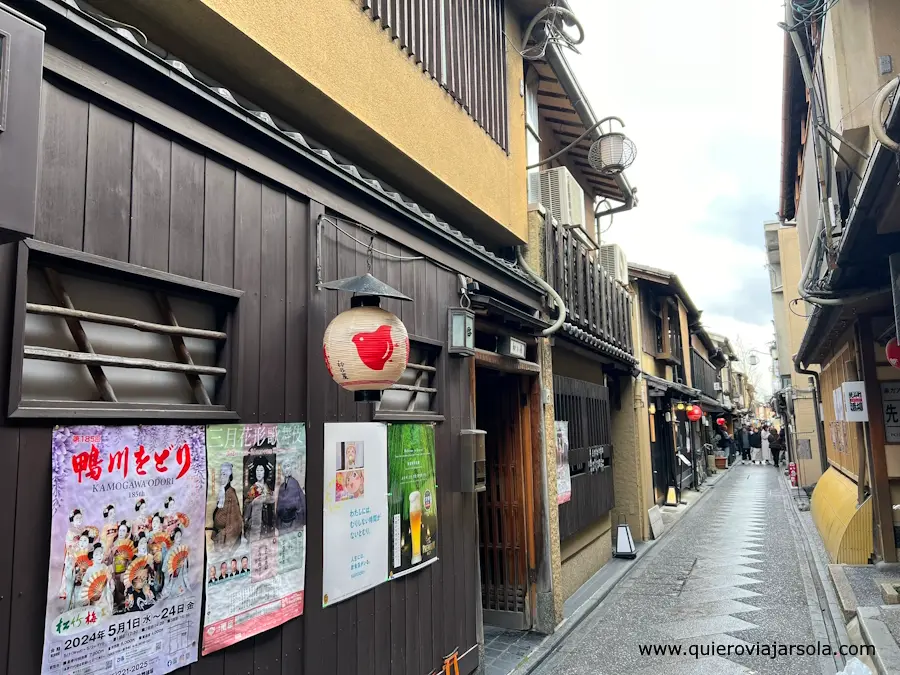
(562, 196)
(613, 260)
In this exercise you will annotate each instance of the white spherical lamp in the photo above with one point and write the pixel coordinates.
(366, 350)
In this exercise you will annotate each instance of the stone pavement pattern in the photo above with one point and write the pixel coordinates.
(732, 572)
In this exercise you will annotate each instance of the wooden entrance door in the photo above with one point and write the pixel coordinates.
(505, 508)
(661, 453)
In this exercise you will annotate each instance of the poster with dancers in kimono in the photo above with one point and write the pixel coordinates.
(255, 530)
(126, 549)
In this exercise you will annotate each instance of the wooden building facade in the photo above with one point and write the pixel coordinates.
(153, 181)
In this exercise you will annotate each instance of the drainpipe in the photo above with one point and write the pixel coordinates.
(816, 387)
(570, 85)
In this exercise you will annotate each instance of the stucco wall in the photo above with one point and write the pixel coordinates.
(333, 72)
(795, 324)
(584, 554)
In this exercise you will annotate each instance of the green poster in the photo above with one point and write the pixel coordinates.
(413, 497)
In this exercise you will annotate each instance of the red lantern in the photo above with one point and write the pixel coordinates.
(892, 351)
(694, 413)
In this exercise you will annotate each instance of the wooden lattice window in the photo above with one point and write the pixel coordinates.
(415, 395)
(97, 338)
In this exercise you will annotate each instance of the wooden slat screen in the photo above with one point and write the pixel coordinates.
(594, 301)
(703, 375)
(461, 45)
(585, 406)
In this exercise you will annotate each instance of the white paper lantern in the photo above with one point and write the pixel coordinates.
(366, 349)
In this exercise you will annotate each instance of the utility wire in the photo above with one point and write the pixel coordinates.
(368, 246)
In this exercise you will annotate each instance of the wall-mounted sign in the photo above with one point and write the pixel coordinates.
(255, 530)
(854, 401)
(126, 549)
(355, 550)
(890, 409)
(595, 463)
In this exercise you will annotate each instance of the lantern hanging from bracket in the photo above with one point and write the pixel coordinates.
(366, 348)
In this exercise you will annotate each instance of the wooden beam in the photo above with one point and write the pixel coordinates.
(182, 352)
(125, 322)
(881, 487)
(78, 334)
(64, 356)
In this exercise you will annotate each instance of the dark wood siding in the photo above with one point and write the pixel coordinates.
(124, 188)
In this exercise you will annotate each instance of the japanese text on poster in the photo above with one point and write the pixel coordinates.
(355, 547)
(126, 549)
(256, 530)
(413, 497)
(890, 408)
(563, 476)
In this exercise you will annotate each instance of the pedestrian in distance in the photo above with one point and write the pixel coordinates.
(745, 444)
(756, 446)
(765, 434)
(776, 446)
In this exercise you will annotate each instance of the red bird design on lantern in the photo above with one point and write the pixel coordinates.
(375, 348)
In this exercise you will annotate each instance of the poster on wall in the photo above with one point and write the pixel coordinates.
(355, 519)
(412, 498)
(255, 530)
(126, 549)
(890, 410)
(563, 477)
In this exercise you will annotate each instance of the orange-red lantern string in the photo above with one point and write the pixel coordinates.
(694, 413)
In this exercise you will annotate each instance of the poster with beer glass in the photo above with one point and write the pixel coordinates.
(255, 530)
(412, 497)
(126, 549)
(355, 519)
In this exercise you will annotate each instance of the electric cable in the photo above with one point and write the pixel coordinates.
(362, 243)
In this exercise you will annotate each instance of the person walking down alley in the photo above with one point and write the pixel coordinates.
(755, 446)
(765, 435)
(744, 442)
(724, 440)
(776, 446)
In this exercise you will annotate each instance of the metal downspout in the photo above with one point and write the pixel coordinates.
(820, 425)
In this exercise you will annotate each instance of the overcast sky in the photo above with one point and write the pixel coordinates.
(698, 84)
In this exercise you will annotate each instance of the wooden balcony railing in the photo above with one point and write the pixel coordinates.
(703, 375)
(595, 302)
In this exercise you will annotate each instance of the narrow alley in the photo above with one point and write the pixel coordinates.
(732, 572)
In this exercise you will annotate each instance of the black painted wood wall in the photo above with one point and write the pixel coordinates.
(120, 186)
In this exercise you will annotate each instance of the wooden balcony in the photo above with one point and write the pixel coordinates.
(596, 304)
(703, 375)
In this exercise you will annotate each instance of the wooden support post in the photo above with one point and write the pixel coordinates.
(78, 334)
(181, 351)
(881, 488)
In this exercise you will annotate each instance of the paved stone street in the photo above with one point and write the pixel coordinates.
(733, 571)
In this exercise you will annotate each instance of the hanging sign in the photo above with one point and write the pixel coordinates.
(256, 530)
(563, 476)
(412, 499)
(890, 409)
(854, 401)
(355, 520)
(126, 549)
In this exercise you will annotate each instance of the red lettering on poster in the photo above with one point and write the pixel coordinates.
(88, 462)
(141, 458)
(184, 459)
(119, 461)
(161, 458)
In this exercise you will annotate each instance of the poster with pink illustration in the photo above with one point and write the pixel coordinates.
(126, 549)
(255, 530)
